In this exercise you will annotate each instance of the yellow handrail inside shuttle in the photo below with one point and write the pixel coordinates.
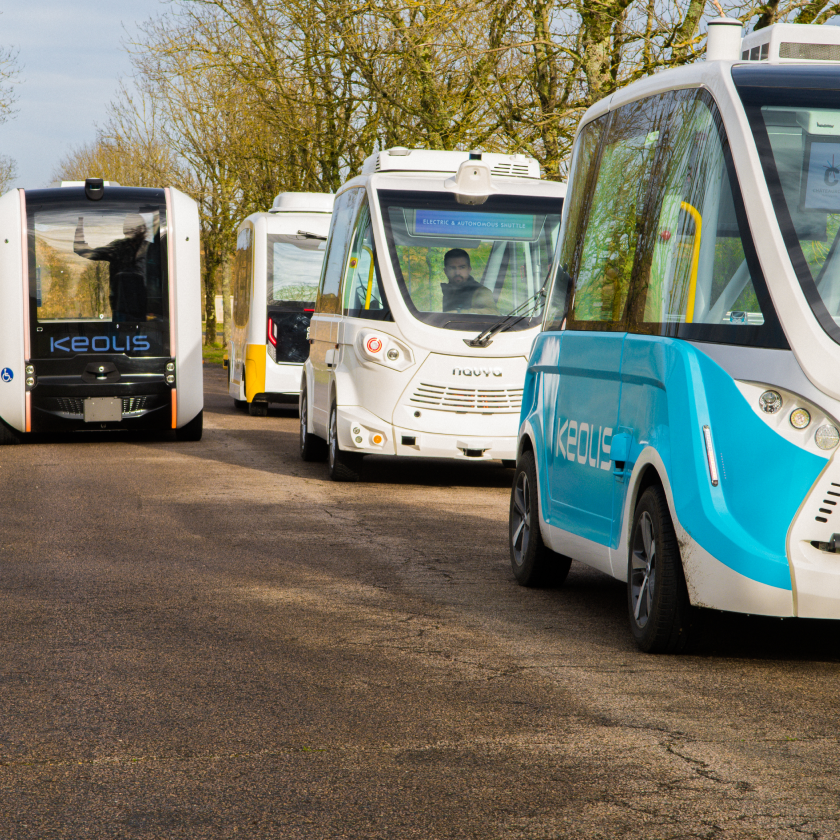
(370, 277)
(695, 258)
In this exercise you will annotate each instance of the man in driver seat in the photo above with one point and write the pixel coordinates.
(463, 293)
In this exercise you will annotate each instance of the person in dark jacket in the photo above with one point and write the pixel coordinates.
(127, 259)
(463, 293)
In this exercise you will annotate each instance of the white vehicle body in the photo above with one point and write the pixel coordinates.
(406, 382)
(274, 287)
(87, 344)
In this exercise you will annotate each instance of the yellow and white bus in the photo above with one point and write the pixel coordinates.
(278, 262)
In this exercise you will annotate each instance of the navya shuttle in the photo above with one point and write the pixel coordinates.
(101, 310)
(429, 301)
(680, 419)
(278, 263)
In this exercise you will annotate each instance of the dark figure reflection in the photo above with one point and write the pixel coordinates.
(127, 258)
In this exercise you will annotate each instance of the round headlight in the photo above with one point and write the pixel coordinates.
(170, 378)
(770, 402)
(356, 430)
(170, 366)
(30, 381)
(393, 354)
(827, 437)
(30, 369)
(358, 438)
(800, 418)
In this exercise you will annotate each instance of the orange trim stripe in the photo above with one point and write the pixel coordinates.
(28, 411)
(174, 409)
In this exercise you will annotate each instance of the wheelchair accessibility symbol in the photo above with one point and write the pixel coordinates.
(6, 375)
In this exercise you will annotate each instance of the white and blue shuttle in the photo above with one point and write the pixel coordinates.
(679, 426)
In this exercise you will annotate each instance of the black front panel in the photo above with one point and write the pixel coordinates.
(62, 386)
(287, 325)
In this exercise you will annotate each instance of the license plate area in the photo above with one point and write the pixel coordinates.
(103, 410)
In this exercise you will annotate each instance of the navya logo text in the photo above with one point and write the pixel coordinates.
(100, 344)
(587, 444)
(476, 371)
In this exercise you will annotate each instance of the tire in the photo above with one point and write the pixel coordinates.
(533, 563)
(193, 430)
(344, 466)
(258, 409)
(662, 619)
(8, 436)
(312, 448)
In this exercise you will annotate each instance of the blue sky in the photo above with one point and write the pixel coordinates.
(71, 59)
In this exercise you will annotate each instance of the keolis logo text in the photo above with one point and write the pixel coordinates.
(100, 344)
(587, 444)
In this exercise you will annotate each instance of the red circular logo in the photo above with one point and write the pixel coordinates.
(374, 344)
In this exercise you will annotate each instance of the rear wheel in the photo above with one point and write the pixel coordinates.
(191, 431)
(662, 619)
(533, 563)
(8, 436)
(344, 466)
(312, 448)
(257, 408)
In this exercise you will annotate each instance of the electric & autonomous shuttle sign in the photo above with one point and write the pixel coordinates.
(473, 225)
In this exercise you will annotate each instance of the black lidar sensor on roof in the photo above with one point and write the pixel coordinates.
(94, 188)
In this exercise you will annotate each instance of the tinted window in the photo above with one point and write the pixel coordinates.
(364, 296)
(243, 266)
(341, 226)
(615, 221)
(293, 265)
(583, 173)
(98, 271)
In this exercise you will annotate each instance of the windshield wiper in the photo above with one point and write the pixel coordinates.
(484, 338)
(308, 235)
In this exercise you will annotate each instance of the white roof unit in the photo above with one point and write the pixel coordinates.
(303, 202)
(792, 42)
(400, 159)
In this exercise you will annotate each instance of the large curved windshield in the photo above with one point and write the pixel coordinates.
(797, 131)
(98, 272)
(294, 268)
(462, 266)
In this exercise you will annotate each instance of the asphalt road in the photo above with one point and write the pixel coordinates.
(212, 640)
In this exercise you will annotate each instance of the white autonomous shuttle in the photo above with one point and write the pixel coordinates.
(429, 301)
(278, 262)
(101, 309)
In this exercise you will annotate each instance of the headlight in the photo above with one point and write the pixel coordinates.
(827, 437)
(800, 418)
(770, 402)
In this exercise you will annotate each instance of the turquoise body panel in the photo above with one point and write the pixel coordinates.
(649, 391)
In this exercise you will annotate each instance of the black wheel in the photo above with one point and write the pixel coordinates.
(661, 616)
(312, 448)
(193, 429)
(8, 436)
(344, 466)
(508, 463)
(258, 408)
(533, 563)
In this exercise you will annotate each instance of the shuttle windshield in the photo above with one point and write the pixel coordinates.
(98, 276)
(462, 267)
(797, 131)
(294, 268)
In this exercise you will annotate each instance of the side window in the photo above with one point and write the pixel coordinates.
(364, 296)
(697, 269)
(584, 170)
(615, 223)
(340, 229)
(243, 264)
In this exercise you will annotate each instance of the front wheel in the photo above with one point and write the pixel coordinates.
(533, 563)
(662, 619)
(192, 431)
(312, 448)
(344, 466)
(257, 408)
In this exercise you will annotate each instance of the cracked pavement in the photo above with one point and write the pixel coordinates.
(212, 640)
